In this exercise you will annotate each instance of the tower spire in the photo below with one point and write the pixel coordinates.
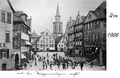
(57, 11)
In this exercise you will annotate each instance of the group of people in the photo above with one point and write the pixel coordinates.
(57, 61)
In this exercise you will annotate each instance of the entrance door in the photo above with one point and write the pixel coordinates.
(3, 66)
(104, 57)
(16, 61)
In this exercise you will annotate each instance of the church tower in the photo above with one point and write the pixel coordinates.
(57, 25)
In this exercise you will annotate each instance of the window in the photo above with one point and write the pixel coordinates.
(85, 26)
(104, 37)
(90, 25)
(41, 41)
(0, 53)
(89, 17)
(93, 37)
(46, 33)
(104, 23)
(9, 17)
(3, 16)
(52, 45)
(4, 53)
(55, 27)
(96, 37)
(0, 44)
(7, 34)
(49, 45)
(43, 37)
(7, 52)
(41, 45)
(50, 41)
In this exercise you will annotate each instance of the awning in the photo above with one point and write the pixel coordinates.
(22, 56)
(28, 43)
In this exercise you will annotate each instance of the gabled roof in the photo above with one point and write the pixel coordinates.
(100, 11)
(102, 5)
(10, 5)
(34, 34)
(93, 12)
(83, 18)
(42, 33)
(19, 13)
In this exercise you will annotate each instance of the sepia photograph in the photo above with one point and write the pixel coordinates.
(55, 35)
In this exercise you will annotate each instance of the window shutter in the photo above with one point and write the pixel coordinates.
(7, 52)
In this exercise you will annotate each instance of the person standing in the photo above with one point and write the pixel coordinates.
(35, 63)
(51, 64)
(25, 65)
(43, 65)
(91, 64)
(81, 65)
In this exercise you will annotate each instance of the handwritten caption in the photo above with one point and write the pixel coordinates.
(113, 15)
(43, 74)
(111, 35)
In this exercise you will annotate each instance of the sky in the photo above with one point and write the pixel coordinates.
(43, 11)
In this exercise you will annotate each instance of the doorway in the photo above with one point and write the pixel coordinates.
(16, 61)
(4, 66)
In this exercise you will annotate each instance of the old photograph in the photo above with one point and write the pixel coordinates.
(57, 35)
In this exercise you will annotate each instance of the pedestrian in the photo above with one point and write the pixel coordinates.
(51, 65)
(48, 61)
(67, 63)
(63, 65)
(25, 65)
(30, 64)
(35, 63)
(73, 65)
(91, 64)
(81, 65)
(43, 65)
(58, 64)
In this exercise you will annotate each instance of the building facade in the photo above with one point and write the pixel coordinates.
(46, 41)
(6, 40)
(65, 38)
(95, 34)
(70, 42)
(78, 39)
(21, 37)
(59, 43)
(74, 36)
(34, 39)
(57, 25)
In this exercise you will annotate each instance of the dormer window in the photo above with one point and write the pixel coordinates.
(89, 17)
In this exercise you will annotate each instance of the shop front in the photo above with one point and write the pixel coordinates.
(91, 52)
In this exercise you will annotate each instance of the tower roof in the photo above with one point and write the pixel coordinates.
(57, 11)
